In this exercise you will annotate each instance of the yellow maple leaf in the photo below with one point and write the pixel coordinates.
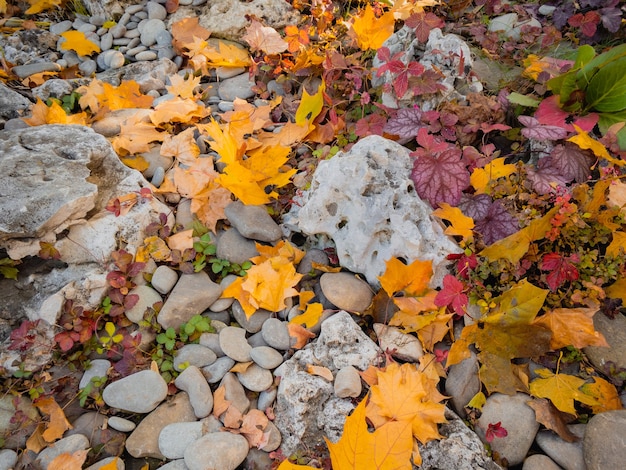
(372, 32)
(126, 95)
(53, 114)
(481, 177)
(58, 422)
(617, 290)
(572, 326)
(183, 87)
(135, 136)
(387, 448)
(585, 142)
(287, 465)
(402, 9)
(461, 224)
(561, 390)
(90, 95)
(405, 394)
(37, 6)
(518, 305)
(181, 146)
(310, 317)
(606, 395)
(310, 105)
(416, 312)
(223, 54)
(515, 246)
(283, 249)
(178, 110)
(617, 247)
(78, 42)
(185, 30)
(412, 279)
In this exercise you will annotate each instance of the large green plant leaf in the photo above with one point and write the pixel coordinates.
(564, 84)
(586, 74)
(607, 120)
(607, 90)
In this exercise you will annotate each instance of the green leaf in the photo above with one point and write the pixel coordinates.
(590, 69)
(109, 327)
(9, 272)
(524, 100)
(607, 90)
(607, 120)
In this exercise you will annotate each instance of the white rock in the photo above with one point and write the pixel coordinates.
(403, 346)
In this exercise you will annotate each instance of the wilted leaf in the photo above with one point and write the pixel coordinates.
(572, 326)
(78, 42)
(321, 371)
(301, 334)
(518, 305)
(264, 39)
(553, 419)
(372, 32)
(412, 279)
(58, 422)
(136, 136)
(387, 448)
(441, 178)
(605, 393)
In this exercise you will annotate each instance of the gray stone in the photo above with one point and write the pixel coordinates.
(569, 455)
(23, 71)
(218, 450)
(267, 398)
(147, 298)
(150, 75)
(604, 444)
(8, 459)
(140, 392)
(211, 424)
(463, 383)
(258, 459)
(348, 382)
(233, 343)
(266, 357)
(460, 449)
(540, 462)
(216, 371)
(174, 438)
(256, 340)
(60, 27)
(212, 341)
(192, 295)
(377, 216)
(517, 418)
(110, 124)
(121, 424)
(252, 324)
(16, 433)
(88, 67)
(175, 465)
(255, 378)
(106, 41)
(146, 55)
(68, 445)
(227, 19)
(510, 25)
(156, 11)
(235, 393)
(144, 441)
(53, 88)
(97, 368)
(253, 222)
(614, 330)
(193, 382)
(150, 30)
(273, 438)
(233, 247)
(276, 334)
(403, 346)
(311, 256)
(12, 104)
(240, 86)
(194, 355)
(346, 291)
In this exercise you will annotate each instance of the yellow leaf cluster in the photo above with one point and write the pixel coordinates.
(482, 177)
(53, 114)
(460, 224)
(37, 6)
(78, 42)
(97, 95)
(371, 32)
(585, 142)
(270, 281)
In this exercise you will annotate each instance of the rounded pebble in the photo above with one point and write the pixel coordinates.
(255, 378)
(219, 450)
(216, 371)
(156, 11)
(540, 462)
(266, 357)
(211, 341)
(568, 455)
(164, 279)
(176, 437)
(193, 355)
(147, 298)
(276, 334)
(234, 344)
(267, 398)
(158, 177)
(348, 383)
(239, 86)
(140, 392)
(346, 291)
(603, 444)
(68, 445)
(254, 322)
(146, 56)
(121, 424)
(150, 30)
(97, 368)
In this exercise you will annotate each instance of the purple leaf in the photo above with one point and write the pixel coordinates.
(562, 14)
(405, 123)
(573, 162)
(534, 130)
(475, 206)
(611, 19)
(497, 224)
(546, 177)
(441, 178)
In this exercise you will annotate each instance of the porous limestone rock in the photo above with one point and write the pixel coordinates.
(12, 104)
(306, 407)
(228, 18)
(365, 202)
(448, 54)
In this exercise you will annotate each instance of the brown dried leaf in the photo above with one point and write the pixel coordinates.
(547, 414)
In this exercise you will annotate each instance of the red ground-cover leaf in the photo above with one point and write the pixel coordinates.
(495, 430)
(561, 269)
(549, 113)
(23, 338)
(546, 177)
(452, 295)
(587, 22)
(497, 224)
(423, 22)
(406, 123)
(441, 177)
(573, 162)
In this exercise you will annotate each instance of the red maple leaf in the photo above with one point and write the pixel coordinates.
(399, 69)
(423, 23)
(495, 430)
(452, 295)
(588, 23)
(561, 269)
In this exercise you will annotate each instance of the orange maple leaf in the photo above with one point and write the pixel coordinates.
(461, 224)
(185, 30)
(405, 394)
(58, 422)
(572, 326)
(53, 114)
(387, 448)
(127, 95)
(372, 32)
(412, 279)
(135, 136)
(264, 38)
(184, 87)
(296, 38)
(67, 461)
(181, 146)
(78, 42)
(178, 110)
